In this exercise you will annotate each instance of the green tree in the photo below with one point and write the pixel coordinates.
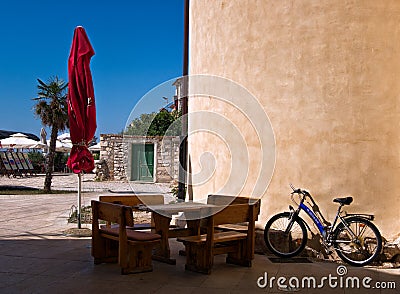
(51, 108)
(37, 160)
(160, 124)
(140, 125)
(163, 123)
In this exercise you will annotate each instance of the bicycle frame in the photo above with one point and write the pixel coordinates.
(313, 216)
(321, 228)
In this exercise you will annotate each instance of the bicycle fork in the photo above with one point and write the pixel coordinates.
(325, 235)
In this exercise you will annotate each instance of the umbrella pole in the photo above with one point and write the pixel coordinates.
(78, 215)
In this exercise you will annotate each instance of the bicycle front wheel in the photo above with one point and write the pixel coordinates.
(359, 243)
(285, 236)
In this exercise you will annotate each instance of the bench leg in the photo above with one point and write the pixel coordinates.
(239, 257)
(138, 259)
(198, 259)
(104, 251)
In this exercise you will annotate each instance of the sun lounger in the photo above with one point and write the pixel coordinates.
(29, 163)
(14, 167)
(6, 168)
(22, 160)
(18, 163)
(24, 163)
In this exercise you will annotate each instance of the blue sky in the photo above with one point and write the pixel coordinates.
(138, 45)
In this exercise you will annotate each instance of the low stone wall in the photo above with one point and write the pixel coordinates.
(115, 157)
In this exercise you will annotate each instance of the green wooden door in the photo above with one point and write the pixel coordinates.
(142, 162)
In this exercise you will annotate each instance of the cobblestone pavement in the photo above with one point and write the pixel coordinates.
(54, 210)
(62, 181)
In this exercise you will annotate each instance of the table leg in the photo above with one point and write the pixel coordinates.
(162, 252)
(194, 228)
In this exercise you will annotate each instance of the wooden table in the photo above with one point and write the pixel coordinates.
(162, 215)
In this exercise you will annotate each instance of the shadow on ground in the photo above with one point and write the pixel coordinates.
(65, 265)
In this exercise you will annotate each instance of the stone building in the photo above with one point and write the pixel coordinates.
(327, 76)
(140, 159)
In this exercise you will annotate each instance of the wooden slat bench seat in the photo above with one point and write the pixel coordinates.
(131, 249)
(218, 237)
(239, 245)
(233, 227)
(131, 234)
(137, 227)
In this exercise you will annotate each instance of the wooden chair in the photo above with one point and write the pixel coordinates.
(239, 246)
(131, 249)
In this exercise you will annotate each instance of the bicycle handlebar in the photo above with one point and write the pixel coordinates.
(300, 191)
(315, 207)
(305, 193)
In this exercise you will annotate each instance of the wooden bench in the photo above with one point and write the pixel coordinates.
(239, 245)
(135, 200)
(228, 199)
(225, 200)
(131, 249)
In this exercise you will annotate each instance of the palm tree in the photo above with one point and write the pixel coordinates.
(52, 109)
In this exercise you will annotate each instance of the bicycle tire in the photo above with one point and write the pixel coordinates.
(358, 252)
(282, 244)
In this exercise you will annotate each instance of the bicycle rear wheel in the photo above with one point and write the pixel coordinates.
(361, 249)
(285, 236)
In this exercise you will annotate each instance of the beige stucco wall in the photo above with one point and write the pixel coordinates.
(328, 76)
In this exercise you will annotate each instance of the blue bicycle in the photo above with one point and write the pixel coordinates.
(354, 237)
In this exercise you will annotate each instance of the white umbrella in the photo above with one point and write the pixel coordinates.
(19, 140)
(62, 146)
(95, 147)
(65, 136)
(38, 145)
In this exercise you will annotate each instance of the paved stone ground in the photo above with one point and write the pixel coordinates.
(63, 181)
(36, 257)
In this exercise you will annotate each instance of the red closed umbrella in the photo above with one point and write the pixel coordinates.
(81, 107)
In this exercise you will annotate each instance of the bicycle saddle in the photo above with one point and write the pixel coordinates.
(344, 201)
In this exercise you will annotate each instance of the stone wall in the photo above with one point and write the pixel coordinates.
(115, 155)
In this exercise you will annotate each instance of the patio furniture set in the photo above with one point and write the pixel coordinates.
(13, 164)
(223, 225)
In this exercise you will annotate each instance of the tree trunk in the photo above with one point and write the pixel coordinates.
(50, 159)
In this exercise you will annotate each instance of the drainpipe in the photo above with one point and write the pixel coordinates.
(185, 71)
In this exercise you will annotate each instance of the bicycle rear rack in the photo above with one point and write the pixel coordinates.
(370, 217)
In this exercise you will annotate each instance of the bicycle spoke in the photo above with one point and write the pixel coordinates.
(362, 231)
(284, 236)
(363, 247)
